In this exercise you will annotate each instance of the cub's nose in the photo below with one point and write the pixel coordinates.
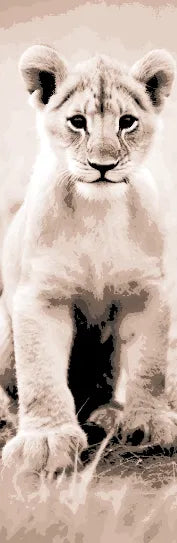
(103, 168)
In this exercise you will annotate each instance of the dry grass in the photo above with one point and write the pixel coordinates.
(123, 494)
(129, 498)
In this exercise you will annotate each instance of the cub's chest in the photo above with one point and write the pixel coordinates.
(107, 253)
(94, 252)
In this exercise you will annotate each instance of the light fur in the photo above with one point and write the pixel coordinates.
(78, 240)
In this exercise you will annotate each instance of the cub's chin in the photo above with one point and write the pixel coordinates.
(102, 189)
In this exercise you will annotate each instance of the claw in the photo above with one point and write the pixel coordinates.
(107, 416)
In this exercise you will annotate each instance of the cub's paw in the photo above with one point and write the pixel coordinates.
(150, 426)
(108, 416)
(164, 427)
(49, 449)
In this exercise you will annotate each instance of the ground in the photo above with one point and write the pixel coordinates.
(122, 494)
(129, 497)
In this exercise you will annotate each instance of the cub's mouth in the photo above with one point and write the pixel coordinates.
(104, 181)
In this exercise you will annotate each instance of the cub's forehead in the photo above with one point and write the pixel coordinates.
(100, 84)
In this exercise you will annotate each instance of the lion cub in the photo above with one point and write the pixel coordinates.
(88, 235)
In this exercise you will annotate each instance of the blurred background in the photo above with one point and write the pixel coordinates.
(77, 29)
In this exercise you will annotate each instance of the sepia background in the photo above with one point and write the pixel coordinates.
(145, 512)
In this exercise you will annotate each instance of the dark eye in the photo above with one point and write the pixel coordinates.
(128, 122)
(78, 122)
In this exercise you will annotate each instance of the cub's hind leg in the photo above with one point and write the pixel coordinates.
(171, 370)
(8, 407)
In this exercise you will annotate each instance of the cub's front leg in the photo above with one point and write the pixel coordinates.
(140, 405)
(48, 433)
(140, 386)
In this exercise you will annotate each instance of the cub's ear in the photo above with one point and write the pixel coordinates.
(42, 70)
(156, 70)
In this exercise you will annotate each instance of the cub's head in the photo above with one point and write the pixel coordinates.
(101, 115)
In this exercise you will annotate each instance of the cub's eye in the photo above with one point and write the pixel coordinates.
(128, 123)
(78, 122)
